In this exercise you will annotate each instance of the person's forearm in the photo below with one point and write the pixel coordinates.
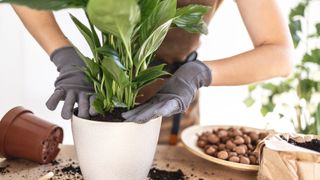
(43, 27)
(271, 56)
(262, 63)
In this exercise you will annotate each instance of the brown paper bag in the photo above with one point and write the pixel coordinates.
(284, 161)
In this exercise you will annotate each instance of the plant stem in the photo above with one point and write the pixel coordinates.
(298, 109)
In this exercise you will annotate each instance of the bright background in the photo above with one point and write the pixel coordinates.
(27, 75)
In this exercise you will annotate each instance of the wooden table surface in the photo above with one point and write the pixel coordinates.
(170, 158)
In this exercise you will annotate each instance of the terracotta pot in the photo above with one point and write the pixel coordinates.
(24, 135)
(115, 150)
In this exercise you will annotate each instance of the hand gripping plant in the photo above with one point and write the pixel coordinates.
(131, 32)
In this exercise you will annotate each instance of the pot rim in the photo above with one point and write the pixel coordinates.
(6, 122)
(106, 122)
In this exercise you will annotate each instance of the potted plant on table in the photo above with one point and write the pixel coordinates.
(131, 32)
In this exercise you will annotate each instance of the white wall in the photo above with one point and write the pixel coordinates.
(27, 75)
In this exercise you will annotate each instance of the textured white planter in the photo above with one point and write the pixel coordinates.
(115, 151)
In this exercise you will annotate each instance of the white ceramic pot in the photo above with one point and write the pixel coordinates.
(115, 151)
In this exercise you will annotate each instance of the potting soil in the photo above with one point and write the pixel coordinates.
(157, 174)
(314, 144)
(4, 170)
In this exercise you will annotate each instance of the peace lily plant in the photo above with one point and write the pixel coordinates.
(130, 33)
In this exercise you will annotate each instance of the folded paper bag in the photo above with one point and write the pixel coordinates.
(281, 160)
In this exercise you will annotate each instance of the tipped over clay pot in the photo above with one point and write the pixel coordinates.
(24, 135)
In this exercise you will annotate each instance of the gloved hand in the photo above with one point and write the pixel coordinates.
(176, 94)
(71, 84)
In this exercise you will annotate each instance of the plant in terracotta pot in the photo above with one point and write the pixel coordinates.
(130, 33)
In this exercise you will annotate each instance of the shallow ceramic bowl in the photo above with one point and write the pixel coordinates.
(189, 139)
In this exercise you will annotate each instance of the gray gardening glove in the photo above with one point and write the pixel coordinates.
(71, 84)
(176, 94)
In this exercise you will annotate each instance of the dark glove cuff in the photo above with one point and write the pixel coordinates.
(59, 51)
(66, 57)
(206, 74)
(196, 74)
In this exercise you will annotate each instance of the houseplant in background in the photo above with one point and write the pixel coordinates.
(298, 97)
(131, 32)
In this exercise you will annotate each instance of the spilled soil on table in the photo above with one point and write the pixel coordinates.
(157, 174)
(4, 170)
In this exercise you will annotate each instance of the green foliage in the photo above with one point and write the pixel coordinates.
(249, 101)
(190, 18)
(318, 29)
(295, 30)
(86, 33)
(49, 4)
(312, 57)
(149, 75)
(317, 120)
(302, 86)
(115, 17)
(131, 32)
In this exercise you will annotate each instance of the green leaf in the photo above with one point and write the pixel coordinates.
(90, 78)
(147, 6)
(266, 108)
(115, 17)
(305, 88)
(98, 104)
(94, 34)
(298, 10)
(281, 115)
(109, 52)
(106, 85)
(249, 101)
(190, 18)
(118, 103)
(251, 88)
(317, 26)
(118, 75)
(317, 119)
(296, 39)
(152, 43)
(295, 28)
(313, 57)
(149, 75)
(85, 31)
(92, 67)
(161, 14)
(317, 86)
(269, 86)
(49, 4)
(309, 129)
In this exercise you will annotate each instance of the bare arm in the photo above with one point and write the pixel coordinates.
(271, 56)
(43, 27)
